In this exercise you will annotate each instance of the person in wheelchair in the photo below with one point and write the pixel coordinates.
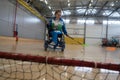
(56, 27)
(114, 41)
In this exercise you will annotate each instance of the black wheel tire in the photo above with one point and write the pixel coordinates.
(45, 45)
(45, 48)
(62, 49)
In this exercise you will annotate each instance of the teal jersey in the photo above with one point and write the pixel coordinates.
(57, 25)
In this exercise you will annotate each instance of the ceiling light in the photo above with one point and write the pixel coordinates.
(111, 22)
(115, 14)
(81, 10)
(80, 21)
(67, 12)
(78, 7)
(91, 0)
(90, 4)
(107, 12)
(68, 4)
(92, 11)
(46, 2)
(68, 1)
(53, 12)
(90, 21)
(112, 4)
(49, 7)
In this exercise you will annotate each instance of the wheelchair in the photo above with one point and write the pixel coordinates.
(111, 43)
(59, 45)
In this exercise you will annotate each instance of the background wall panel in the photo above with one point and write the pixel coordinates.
(29, 26)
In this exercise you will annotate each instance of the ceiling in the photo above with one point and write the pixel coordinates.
(79, 8)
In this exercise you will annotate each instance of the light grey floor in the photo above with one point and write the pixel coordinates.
(36, 47)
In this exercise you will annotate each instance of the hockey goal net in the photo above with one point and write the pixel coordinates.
(29, 67)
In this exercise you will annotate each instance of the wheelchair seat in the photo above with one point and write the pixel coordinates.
(60, 44)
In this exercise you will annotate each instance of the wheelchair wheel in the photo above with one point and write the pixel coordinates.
(45, 45)
(45, 48)
(62, 49)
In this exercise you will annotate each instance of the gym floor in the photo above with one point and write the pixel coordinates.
(36, 47)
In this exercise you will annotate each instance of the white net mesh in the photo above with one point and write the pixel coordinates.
(11, 69)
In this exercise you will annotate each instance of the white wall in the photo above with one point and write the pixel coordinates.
(114, 30)
(6, 18)
(75, 30)
(94, 32)
(29, 26)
